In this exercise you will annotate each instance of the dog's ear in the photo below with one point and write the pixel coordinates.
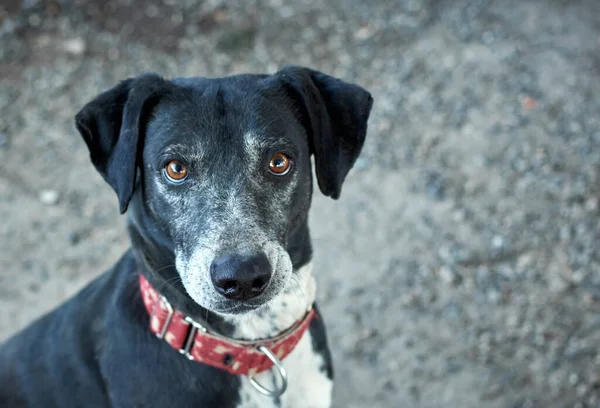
(334, 114)
(113, 126)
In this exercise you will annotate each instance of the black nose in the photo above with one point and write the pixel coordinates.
(240, 277)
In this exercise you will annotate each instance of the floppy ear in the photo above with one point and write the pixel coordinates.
(334, 114)
(113, 126)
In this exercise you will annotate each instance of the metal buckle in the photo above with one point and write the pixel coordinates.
(282, 373)
(171, 312)
(191, 337)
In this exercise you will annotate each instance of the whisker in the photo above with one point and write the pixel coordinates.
(297, 282)
(165, 267)
(167, 282)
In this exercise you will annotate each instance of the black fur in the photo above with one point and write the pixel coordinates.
(96, 350)
(334, 114)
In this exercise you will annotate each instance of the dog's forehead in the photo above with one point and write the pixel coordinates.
(231, 116)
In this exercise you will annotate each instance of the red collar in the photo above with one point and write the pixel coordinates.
(197, 343)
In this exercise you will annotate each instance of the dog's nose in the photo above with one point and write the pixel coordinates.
(240, 277)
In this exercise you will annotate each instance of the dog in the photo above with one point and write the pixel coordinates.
(213, 303)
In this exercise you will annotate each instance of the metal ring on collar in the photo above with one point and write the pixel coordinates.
(282, 373)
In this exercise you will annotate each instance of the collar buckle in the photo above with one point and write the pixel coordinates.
(191, 337)
(170, 312)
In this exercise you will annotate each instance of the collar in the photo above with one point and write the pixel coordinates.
(194, 339)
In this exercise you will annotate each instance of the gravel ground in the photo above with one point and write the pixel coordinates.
(460, 267)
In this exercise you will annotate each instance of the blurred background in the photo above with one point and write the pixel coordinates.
(460, 268)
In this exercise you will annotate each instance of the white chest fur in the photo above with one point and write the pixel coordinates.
(308, 385)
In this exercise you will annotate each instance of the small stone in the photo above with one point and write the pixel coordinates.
(497, 242)
(538, 339)
(384, 125)
(29, 4)
(49, 197)
(578, 276)
(176, 18)
(152, 11)
(34, 20)
(8, 26)
(524, 261)
(488, 37)
(566, 232)
(3, 140)
(459, 216)
(27, 264)
(388, 386)
(491, 392)
(113, 54)
(378, 302)
(494, 296)
(573, 379)
(220, 16)
(371, 357)
(448, 274)
(591, 204)
(481, 161)
(482, 277)
(74, 46)
(414, 6)
(506, 271)
(512, 321)
(363, 33)
(355, 292)
(414, 392)
(366, 334)
(528, 103)
(581, 390)
(452, 310)
(453, 366)
(527, 403)
(435, 187)
(74, 238)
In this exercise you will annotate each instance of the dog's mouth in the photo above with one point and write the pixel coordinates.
(238, 309)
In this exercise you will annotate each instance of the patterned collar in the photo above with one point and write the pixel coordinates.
(198, 343)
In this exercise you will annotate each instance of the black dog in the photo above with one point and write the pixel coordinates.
(216, 174)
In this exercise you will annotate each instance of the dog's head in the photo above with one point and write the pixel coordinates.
(222, 169)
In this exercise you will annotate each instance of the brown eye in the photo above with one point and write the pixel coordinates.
(280, 164)
(175, 171)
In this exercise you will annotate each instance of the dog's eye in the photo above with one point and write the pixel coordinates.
(175, 171)
(280, 164)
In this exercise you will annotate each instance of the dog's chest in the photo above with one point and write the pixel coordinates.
(308, 384)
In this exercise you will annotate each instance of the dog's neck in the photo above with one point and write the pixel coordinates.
(269, 320)
(155, 260)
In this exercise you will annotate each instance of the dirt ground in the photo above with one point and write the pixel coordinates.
(461, 266)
